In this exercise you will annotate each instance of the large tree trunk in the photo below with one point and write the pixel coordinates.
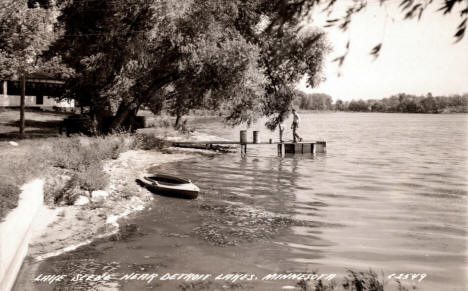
(22, 105)
(177, 121)
(122, 113)
(127, 108)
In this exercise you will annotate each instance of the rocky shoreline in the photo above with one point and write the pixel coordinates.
(64, 228)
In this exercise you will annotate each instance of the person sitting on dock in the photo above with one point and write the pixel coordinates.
(295, 126)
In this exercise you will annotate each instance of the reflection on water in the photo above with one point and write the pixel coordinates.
(390, 195)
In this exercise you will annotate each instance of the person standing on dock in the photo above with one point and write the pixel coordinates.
(295, 126)
(281, 129)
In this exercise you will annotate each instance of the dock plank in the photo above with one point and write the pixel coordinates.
(236, 142)
(289, 147)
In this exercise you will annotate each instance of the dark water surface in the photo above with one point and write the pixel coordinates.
(390, 194)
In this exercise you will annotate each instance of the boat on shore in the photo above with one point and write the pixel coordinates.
(171, 186)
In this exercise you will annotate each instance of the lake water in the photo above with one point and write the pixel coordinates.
(389, 195)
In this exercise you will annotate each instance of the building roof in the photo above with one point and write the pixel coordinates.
(40, 78)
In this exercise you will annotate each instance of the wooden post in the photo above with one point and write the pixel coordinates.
(280, 149)
(255, 136)
(243, 136)
(5, 89)
(307, 148)
(289, 148)
(243, 141)
(321, 147)
(22, 105)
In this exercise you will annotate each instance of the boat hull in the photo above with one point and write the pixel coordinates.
(185, 190)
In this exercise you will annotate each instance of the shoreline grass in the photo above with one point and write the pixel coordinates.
(70, 166)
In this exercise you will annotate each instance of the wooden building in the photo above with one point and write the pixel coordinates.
(41, 93)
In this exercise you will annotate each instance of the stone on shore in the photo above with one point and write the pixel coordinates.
(99, 195)
(81, 200)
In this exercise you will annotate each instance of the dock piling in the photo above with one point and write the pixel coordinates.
(320, 147)
(255, 136)
(280, 149)
(243, 141)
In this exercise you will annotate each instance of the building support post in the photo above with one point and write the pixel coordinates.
(22, 105)
(5, 89)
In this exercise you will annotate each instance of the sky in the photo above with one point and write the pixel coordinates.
(417, 57)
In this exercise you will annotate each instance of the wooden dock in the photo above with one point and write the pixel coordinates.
(289, 147)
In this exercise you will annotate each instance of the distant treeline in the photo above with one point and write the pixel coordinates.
(403, 103)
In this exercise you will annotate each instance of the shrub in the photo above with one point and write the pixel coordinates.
(183, 127)
(161, 120)
(69, 153)
(91, 178)
(8, 198)
(111, 147)
(78, 153)
(149, 142)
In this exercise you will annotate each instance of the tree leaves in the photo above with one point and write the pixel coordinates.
(340, 60)
(448, 6)
(25, 33)
(181, 56)
(460, 30)
(376, 50)
(293, 10)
